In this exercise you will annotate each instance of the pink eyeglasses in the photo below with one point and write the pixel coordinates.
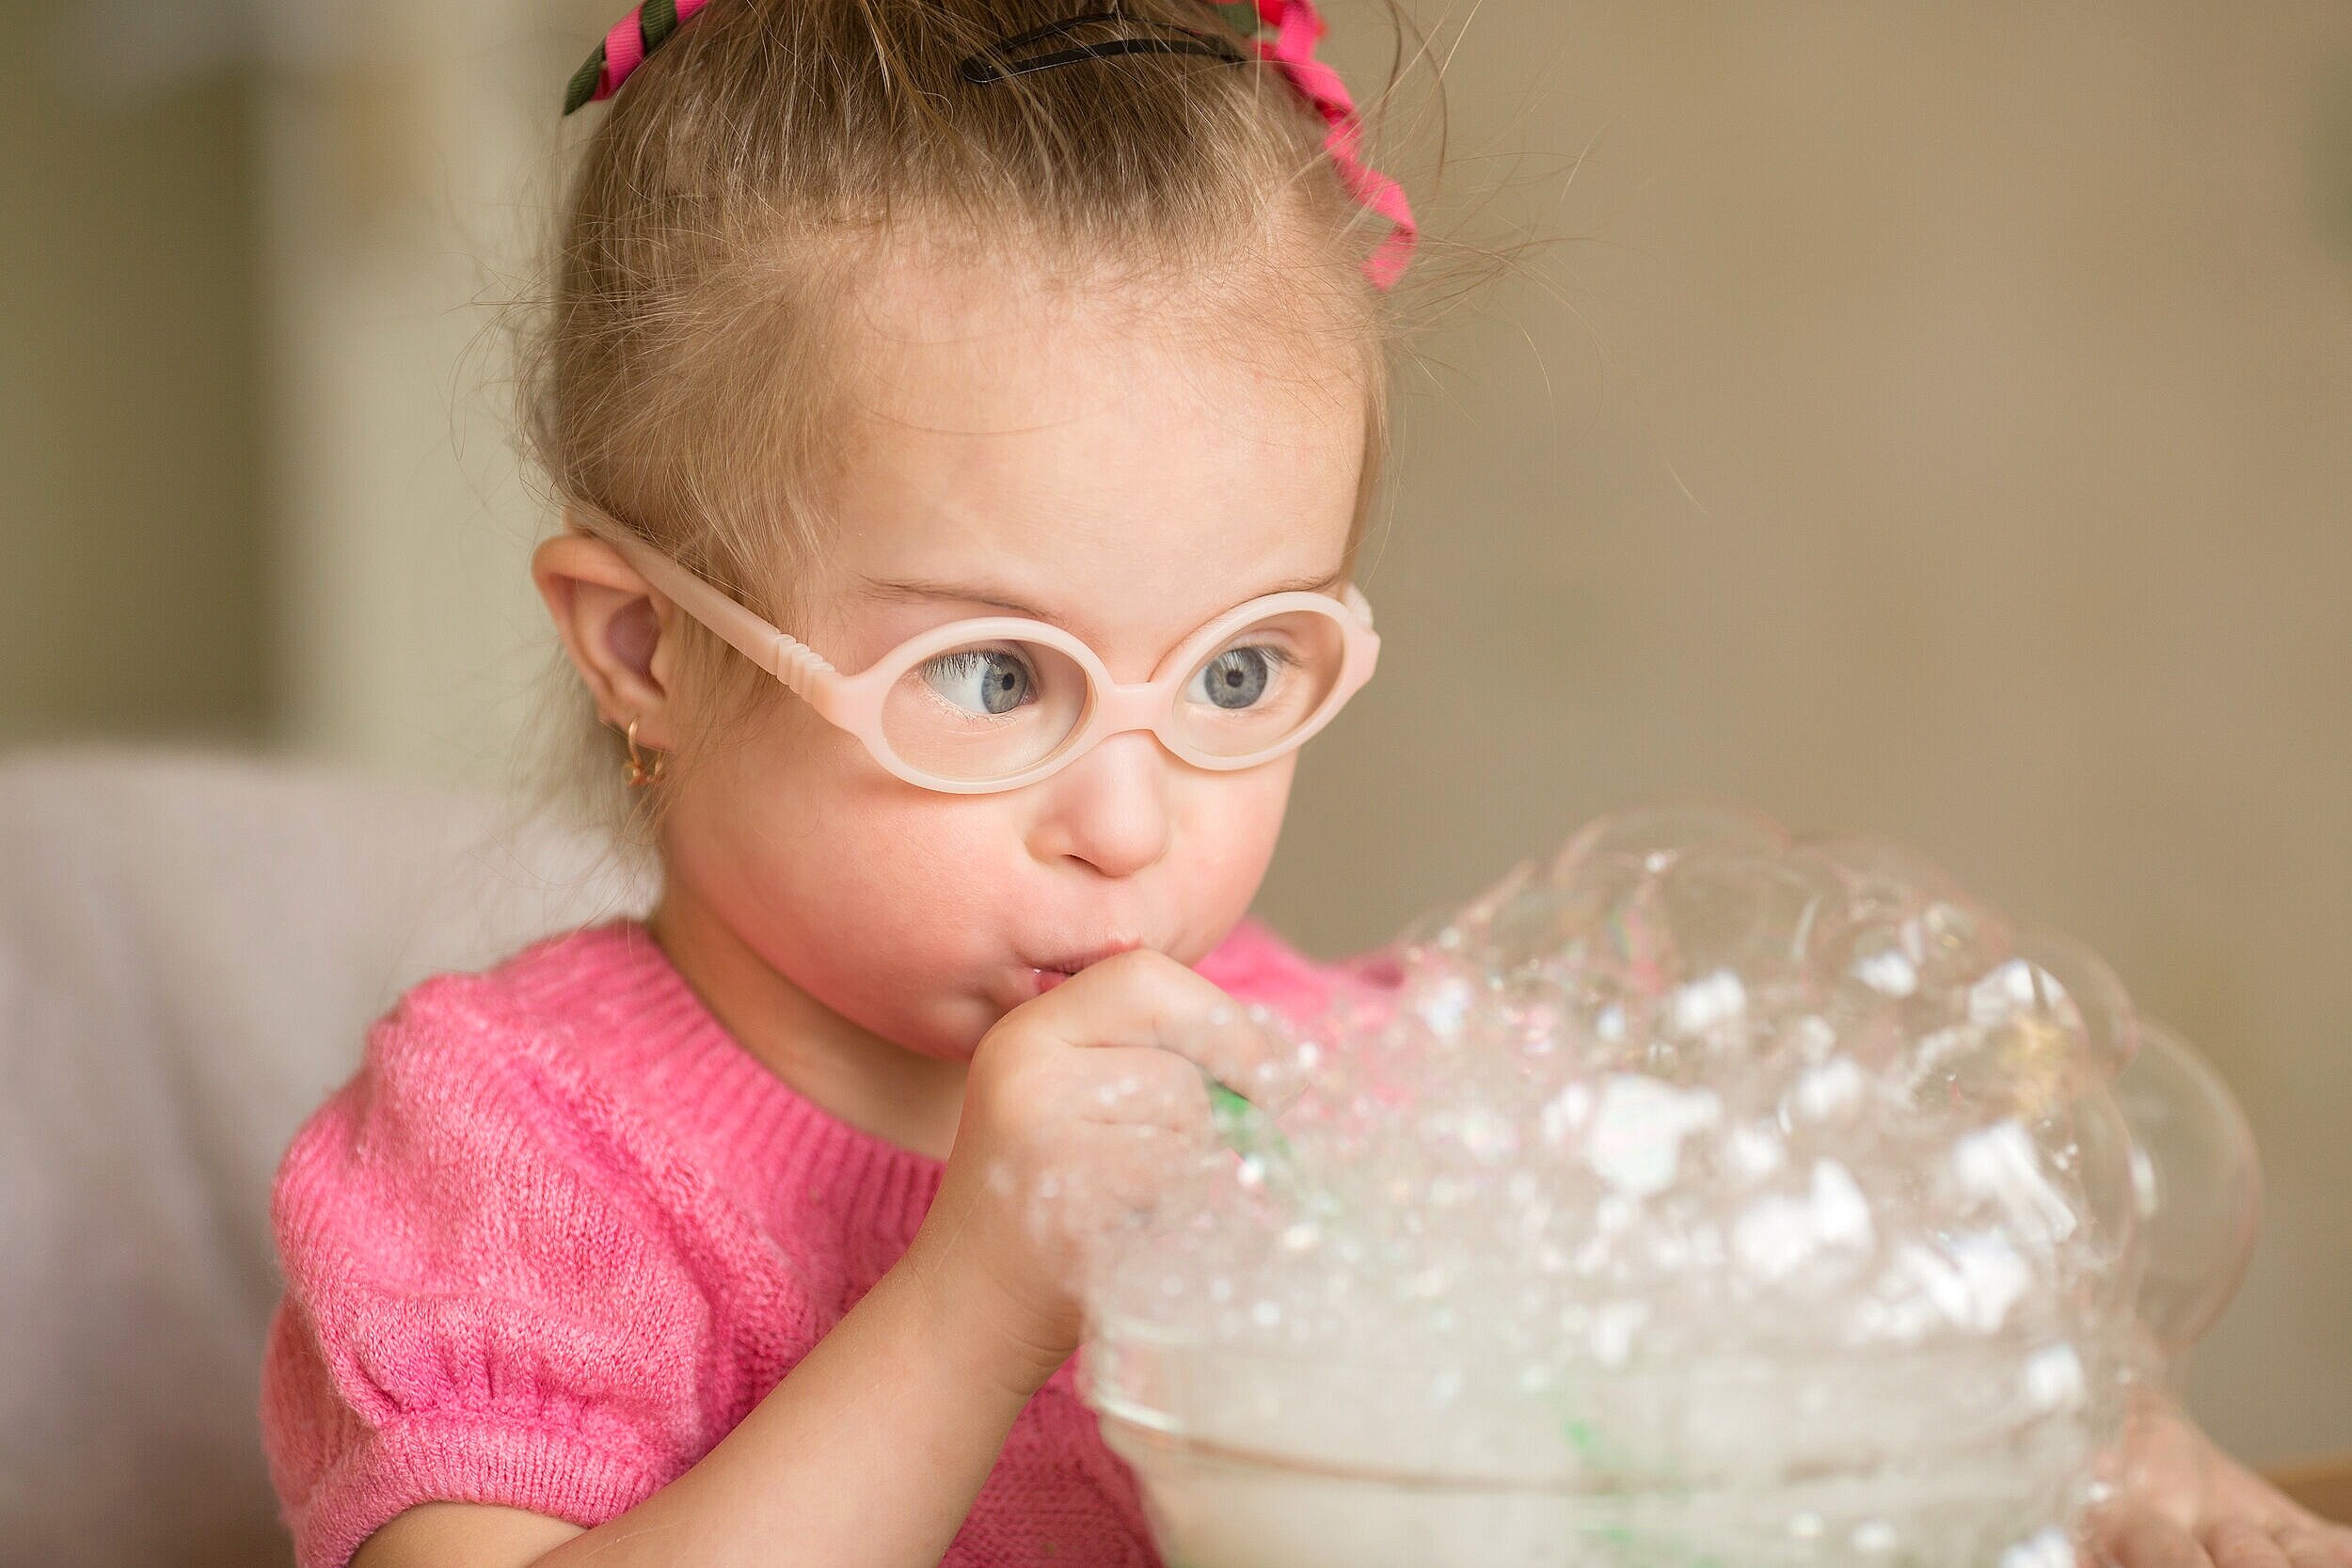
(996, 703)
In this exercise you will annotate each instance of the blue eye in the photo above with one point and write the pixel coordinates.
(983, 682)
(1238, 677)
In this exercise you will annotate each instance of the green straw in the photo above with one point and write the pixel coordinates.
(1248, 1131)
(1245, 1128)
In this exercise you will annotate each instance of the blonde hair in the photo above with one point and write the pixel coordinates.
(744, 179)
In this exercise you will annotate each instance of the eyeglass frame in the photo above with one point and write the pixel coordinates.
(854, 703)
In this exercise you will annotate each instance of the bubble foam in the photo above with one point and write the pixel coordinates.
(1698, 1181)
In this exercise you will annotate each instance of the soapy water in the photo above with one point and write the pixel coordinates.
(1698, 1196)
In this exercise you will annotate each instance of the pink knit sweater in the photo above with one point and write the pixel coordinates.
(561, 1232)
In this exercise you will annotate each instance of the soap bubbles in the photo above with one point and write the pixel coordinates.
(2196, 1156)
(1695, 1188)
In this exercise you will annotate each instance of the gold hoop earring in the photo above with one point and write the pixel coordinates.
(639, 774)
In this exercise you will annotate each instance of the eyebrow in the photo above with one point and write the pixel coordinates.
(999, 598)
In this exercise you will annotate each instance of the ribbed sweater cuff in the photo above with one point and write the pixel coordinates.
(462, 1459)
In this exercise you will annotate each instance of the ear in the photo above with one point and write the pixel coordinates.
(616, 627)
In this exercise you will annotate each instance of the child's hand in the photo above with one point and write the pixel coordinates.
(1081, 1106)
(2193, 1506)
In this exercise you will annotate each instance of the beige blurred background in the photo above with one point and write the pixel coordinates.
(1940, 425)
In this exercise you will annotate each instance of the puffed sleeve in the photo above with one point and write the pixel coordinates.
(484, 1301)
(1255, 964)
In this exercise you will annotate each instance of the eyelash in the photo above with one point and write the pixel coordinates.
(1276, 655)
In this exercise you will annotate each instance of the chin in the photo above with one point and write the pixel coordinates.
(953, 1032)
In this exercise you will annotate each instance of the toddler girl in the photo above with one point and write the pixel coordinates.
(966, 413)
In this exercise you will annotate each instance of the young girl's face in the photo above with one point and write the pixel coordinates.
(1118, 469)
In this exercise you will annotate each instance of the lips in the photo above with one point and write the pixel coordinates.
(1035, 977)
(1070, 965)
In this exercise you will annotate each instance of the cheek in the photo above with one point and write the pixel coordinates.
(842, 867)
(847, 882)
(1228, 840)
(854, 887)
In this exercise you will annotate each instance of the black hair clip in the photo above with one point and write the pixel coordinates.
(1005, 58)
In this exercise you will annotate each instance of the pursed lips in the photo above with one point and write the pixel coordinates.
(1072, 966)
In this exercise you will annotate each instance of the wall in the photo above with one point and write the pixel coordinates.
(131, 590)
(1941, 425)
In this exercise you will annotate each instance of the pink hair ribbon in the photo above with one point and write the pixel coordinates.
(1298, 27)
(625, 48)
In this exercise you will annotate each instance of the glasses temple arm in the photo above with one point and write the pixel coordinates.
(791, 661)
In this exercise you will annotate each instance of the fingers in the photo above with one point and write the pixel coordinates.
(1119, 1172)
(1148, 999)
(2234, 1543)
(2310, 1548)
(1117, 1084)
(1116, 1176)
(2143, 1539)
(2237, 1544)
(1134, 1084)
(2146, 1541)
(1145, 1162)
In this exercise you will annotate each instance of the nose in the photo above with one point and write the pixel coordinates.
(1109, 808)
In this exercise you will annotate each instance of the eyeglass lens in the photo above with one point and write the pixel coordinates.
(990, 710)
